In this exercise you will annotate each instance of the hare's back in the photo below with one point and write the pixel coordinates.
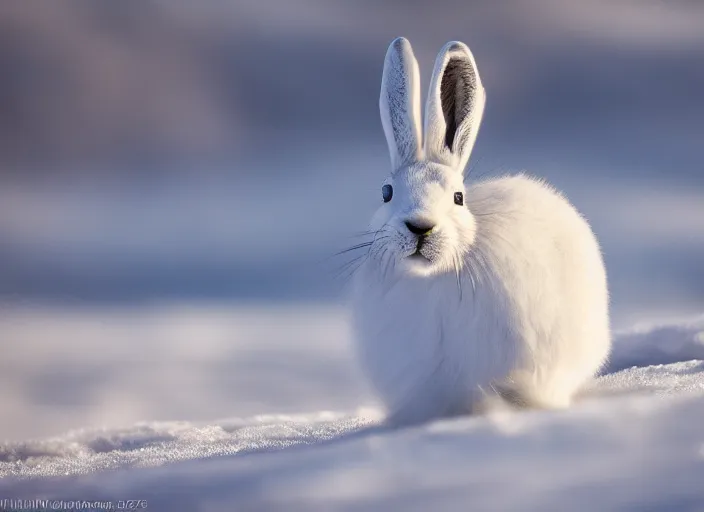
(545, 255)
(526, 230)
(521, 206)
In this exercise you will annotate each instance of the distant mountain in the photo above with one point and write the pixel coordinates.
(135, 87)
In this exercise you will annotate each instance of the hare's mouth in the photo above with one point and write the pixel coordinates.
(418, 256)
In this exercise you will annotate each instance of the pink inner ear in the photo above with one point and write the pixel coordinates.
(456, 96)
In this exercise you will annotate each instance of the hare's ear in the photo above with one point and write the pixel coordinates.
(454, 108)
(399, 103)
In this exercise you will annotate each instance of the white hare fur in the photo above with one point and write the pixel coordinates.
(506, 296)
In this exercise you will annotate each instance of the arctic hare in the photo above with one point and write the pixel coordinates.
(497, 289)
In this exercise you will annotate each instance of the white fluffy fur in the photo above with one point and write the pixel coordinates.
(399, 103)
(509, 297)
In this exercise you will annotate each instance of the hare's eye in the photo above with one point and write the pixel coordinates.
(459, 198)
(387, 192)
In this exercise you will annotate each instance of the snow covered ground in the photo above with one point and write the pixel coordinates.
(633, 442)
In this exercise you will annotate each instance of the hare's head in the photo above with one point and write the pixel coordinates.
(423, 225)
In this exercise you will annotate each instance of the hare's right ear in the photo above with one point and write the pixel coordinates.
(454, 107)
(399, 103)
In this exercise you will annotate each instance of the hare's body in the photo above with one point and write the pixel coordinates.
(528, 315)
(468, 293)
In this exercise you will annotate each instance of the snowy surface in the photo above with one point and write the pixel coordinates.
(635, 441)
(64, 368)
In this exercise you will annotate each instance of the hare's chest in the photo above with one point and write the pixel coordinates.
(430, 343)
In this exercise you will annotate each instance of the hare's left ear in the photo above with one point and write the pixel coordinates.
(399, 103)
(455, 106)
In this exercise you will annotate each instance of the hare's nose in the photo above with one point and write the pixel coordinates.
(419, 228)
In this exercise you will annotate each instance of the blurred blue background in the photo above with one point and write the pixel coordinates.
(211, 155)
(157, 149)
